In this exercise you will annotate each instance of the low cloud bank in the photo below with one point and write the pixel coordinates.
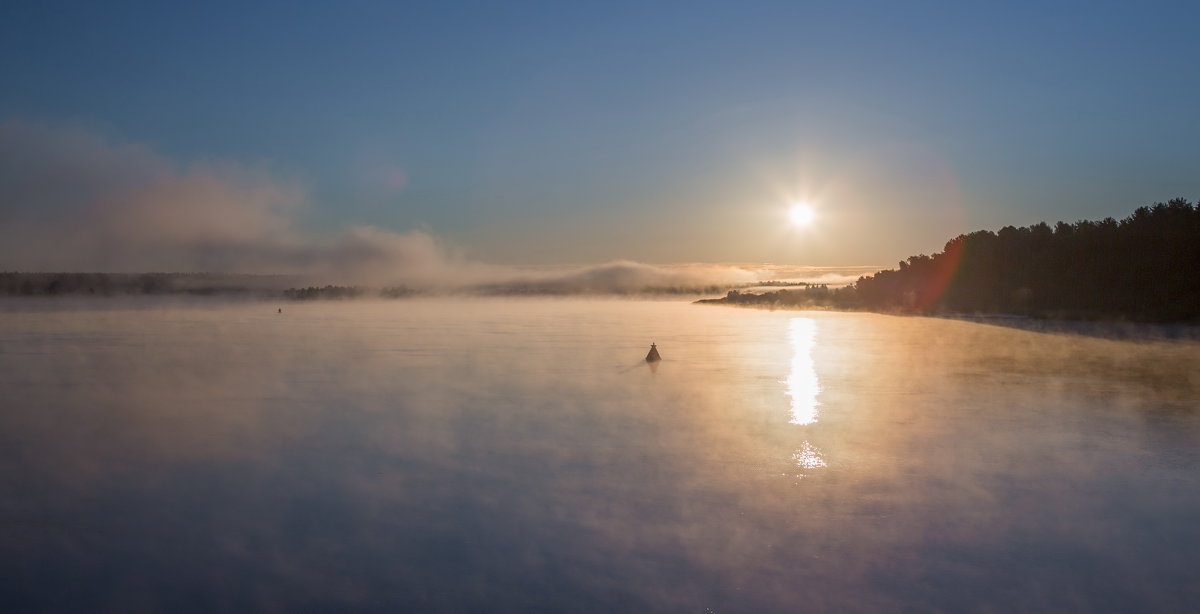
(625, 277)
(72, 199)
(832, 276)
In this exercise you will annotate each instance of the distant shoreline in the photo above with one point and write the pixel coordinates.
(1108, 329)
(297, 288)
(1117, 329)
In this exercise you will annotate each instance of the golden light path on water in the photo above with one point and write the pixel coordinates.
(802, 383)
(804, 387)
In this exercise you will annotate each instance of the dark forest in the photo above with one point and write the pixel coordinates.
(1145, 267)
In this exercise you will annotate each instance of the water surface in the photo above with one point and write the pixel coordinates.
(518, 455)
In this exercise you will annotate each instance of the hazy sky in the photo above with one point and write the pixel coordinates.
(572, 132)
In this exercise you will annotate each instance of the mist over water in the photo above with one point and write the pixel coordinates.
(519, 455)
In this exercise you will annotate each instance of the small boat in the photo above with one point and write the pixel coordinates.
(653, 356)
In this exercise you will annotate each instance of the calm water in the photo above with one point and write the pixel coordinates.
(498, 455)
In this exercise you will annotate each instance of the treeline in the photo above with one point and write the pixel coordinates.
(810, 295)
(1145, 267)
(781, 284)
(116, 284)
(568, 288)
(345, 292)
(194, 284)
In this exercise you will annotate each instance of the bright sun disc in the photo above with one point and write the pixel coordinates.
(801, 214)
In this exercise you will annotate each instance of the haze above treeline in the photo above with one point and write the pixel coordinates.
(615, 278)
(1145, 267)
(1142, 268)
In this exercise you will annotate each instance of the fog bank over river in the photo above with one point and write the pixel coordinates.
(519, 455)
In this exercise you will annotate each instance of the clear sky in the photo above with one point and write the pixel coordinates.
(585, 132)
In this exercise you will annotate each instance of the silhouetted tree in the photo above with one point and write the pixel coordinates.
(1144, 267)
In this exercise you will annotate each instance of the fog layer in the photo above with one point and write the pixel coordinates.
(520, 455)
(75, 199)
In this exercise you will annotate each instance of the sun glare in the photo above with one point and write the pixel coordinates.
(801, 214)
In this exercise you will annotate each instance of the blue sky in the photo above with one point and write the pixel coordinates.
(571, 132)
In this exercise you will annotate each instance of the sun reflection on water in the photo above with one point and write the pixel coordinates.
(802, 383)
(808, 457)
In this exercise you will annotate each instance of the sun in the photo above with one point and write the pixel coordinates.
(801, 214)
